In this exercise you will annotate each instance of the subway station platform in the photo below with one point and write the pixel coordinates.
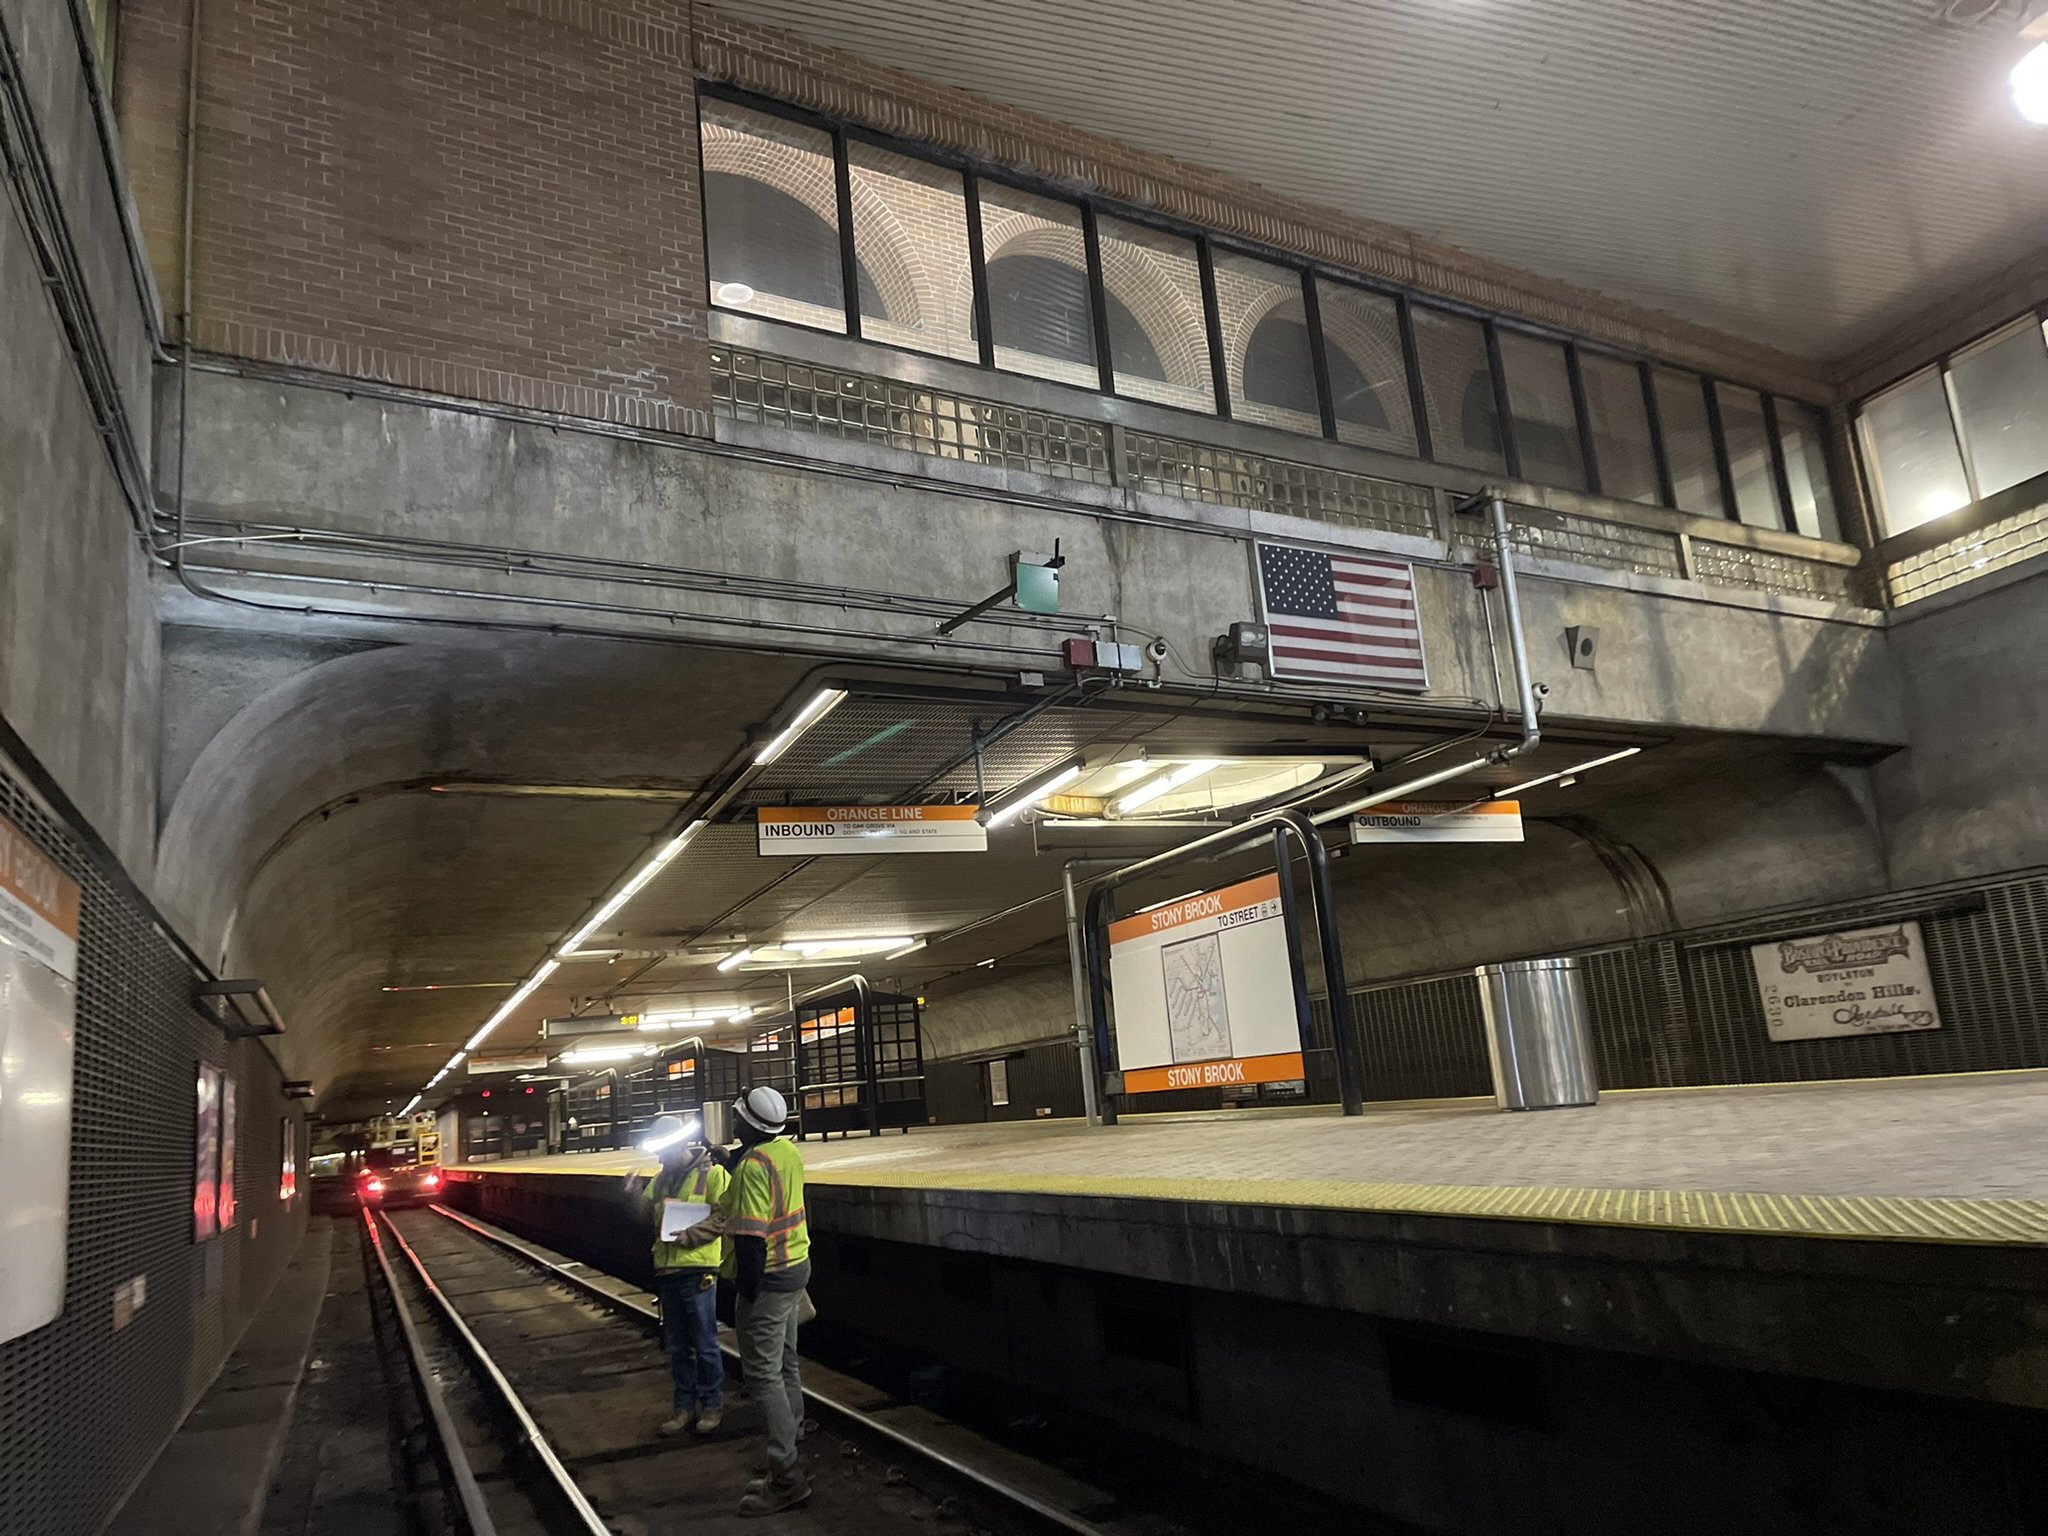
(1956, 1159)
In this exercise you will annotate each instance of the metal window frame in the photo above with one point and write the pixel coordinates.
(1781, 483)
(1574, 384)
(1781, 471)
(975, 174)
(1722, 463)
(1205, 292)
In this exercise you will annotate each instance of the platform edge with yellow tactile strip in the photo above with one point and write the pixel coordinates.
(1993, 1222)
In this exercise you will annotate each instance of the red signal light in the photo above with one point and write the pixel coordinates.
(487, 1093)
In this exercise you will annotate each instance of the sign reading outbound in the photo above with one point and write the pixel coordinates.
(1866, 981)
(1205, 992)
(814, 829)
(1440, 821)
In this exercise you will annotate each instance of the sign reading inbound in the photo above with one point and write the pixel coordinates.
(1204, 992)
(810, 830)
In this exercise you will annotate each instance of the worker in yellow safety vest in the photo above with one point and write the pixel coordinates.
(686, 1200)
(772, 1243)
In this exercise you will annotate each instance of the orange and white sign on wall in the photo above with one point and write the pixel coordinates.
(1440, 821)
(38, 904)
(1204, 991)
(866, 829)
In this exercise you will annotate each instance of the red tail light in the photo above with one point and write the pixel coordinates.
(376, 1186)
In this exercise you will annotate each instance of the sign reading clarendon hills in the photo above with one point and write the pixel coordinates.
(810, 830)
(1866, 981)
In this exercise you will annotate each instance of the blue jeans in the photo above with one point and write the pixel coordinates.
(689, 1326)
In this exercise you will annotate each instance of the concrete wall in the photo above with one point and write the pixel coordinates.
(78, 657)
(1969, 795)
(386, 469)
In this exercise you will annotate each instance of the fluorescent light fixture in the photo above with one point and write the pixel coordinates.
(822, 703)
(592, 1053)
(659, 1021)
(909, 949)
(625, 893)
(526, 989)
(410, 1105)
(681, 1133)
(1565, 773)
(1165, 784)
(1045, 789)
(2030, 85)
(735, 960)
(740, 1017)
(854, 945)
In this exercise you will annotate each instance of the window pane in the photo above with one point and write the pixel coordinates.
(1158, 336)
(1803, 432)
(1911, 450)
(1368, 374)
(1457, 389)
(1265, 339)
(910, 235)
(1621, 428)
(1749, 456)
(2001, 388)
(771, 217)
(1688, 443)
(1038, 305)
(1546, 424)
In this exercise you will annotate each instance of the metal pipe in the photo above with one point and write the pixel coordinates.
(185, 285)
(1084, 1036)
(1518, 643)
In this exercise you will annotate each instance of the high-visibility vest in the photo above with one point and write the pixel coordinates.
(703, 1182)
(767, 1201)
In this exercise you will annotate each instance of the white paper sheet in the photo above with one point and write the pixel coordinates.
(678, 1216)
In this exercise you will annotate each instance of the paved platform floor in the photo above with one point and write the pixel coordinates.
(1957, 1158)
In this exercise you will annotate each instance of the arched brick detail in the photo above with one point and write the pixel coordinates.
(1175, 327)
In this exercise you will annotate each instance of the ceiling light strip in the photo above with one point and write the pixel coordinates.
(1043, 790)
(1598, 762)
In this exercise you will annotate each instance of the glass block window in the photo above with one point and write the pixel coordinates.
(771, 217)
(1620, 423)
(1038, 300)
(1158, 333)
(1688, 443)
(1368, 369)
(1266, 345)
(1803, 432)
(1457, 389)
(1545, 421)
(2001, 396)
(1910, 447)
(910, 235)
(1748, 438)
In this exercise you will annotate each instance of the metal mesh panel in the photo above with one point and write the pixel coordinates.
(861, 408)
(1424, 1040)
(84, 1407)
(1732, 565)
(1197, 472)
(1968, 556)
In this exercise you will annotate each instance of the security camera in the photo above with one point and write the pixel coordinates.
(1541, 690)
(1156, 651)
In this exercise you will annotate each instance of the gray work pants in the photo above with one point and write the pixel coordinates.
(767, 1332)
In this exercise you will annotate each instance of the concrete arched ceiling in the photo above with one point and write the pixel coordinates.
(310, 846)
(1803, 173)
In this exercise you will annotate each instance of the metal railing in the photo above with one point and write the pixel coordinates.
(759, 388)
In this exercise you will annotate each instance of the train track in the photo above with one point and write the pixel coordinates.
(538, 1383)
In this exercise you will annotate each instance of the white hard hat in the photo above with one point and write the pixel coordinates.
(762, 1108)
(672, 1130)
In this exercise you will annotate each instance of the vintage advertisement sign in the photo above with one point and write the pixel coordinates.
(1866, 981)
(809, 830)
(1440, 821)
(39, 906)
(206, 1153)
(1204, 991)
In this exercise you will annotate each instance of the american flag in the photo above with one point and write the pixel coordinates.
(1341, 618)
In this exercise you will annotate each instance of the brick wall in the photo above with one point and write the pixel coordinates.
(499, 199)
(496, 199)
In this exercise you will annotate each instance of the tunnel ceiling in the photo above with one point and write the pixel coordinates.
(1804, 173)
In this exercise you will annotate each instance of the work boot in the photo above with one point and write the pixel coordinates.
(708, 1420)
(780, 1491)
(677, 1424)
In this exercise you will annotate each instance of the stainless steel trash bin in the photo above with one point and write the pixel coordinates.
(1536, 1034)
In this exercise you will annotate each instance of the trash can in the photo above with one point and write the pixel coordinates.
(1536, 1034)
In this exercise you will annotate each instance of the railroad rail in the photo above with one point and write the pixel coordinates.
(539, 1385)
